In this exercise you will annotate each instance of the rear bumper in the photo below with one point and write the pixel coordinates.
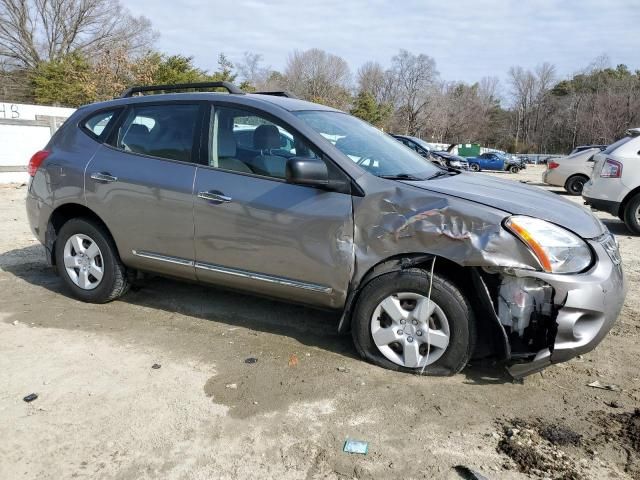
(551, 177)
(608, 206)
(38, 214)
(590, 303)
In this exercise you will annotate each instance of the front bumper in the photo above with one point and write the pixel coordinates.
(590, 304)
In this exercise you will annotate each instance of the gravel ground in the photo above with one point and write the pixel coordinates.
(103, 412)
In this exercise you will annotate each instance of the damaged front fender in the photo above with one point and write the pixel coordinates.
(404, 219)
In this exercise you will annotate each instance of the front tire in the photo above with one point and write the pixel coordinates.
(396, 326)
(575, 184)
(514, 169)
(88, 262)
(474, 167)
(631, 214)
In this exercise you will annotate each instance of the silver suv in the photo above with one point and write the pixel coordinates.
(276, 196)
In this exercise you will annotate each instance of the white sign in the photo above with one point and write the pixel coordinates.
(19, 111)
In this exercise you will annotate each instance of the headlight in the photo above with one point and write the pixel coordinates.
(558, 250)
(455, 163)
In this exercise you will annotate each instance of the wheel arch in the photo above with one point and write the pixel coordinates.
(61, 215)
(627, 199)
(491, 333)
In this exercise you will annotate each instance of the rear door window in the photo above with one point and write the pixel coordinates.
(164, 131)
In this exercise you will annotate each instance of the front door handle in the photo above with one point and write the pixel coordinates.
(103, 177)
(215, 197)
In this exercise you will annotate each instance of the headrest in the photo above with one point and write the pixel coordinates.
(226, 144)
(350, 146)
(302, 150)
(266, 137)
(138, 129)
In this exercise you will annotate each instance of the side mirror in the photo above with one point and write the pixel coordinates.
(307, 171)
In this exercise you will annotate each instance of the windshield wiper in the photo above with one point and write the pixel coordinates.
(440, 174)
(400, 176)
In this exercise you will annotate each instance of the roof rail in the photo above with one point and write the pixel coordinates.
(278, 93)
(231, 88)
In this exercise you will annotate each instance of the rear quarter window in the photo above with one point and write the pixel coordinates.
(96, 125)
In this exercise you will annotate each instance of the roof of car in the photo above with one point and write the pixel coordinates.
(404, 136)
(250, 99)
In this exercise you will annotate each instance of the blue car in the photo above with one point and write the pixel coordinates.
(495, 161)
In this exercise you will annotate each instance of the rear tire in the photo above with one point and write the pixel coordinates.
(575, 184)
(452, 308)
(632, 214)
(100, 251)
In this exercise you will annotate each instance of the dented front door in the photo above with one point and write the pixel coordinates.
(272, 237)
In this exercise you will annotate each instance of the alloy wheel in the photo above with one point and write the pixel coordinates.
(410, 330)
(83, 261)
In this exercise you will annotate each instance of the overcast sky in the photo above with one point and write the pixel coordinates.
(468, 39)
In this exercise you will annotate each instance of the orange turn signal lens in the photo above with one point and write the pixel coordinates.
(535, 247)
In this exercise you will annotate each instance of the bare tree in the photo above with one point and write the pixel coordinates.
(251, 71)
(530, 91)
(415, 77)
(32, 31)
(318, 76)
(373, 79)
(489, 91)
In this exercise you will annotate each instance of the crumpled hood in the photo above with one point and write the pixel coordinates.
(518, 199)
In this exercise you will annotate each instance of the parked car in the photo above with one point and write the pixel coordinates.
(425, 266)
(495, 161)
(614, 186)
(581, 148)
(444, 159)
(570, 172)
(450, 160)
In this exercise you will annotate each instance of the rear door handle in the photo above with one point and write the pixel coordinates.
(104, 177)
(214, 197)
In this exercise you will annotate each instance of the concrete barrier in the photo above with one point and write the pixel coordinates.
(25, 129)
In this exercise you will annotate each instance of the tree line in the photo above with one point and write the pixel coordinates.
(73, 52)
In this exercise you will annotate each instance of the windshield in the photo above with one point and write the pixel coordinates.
(373, 150)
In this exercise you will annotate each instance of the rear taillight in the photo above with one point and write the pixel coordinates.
(36, 161)
(553, 165)
(611, 169)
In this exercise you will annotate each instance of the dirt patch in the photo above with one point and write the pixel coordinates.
(623, 430)
(537, 454)
(559, 434)
(630, 422)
